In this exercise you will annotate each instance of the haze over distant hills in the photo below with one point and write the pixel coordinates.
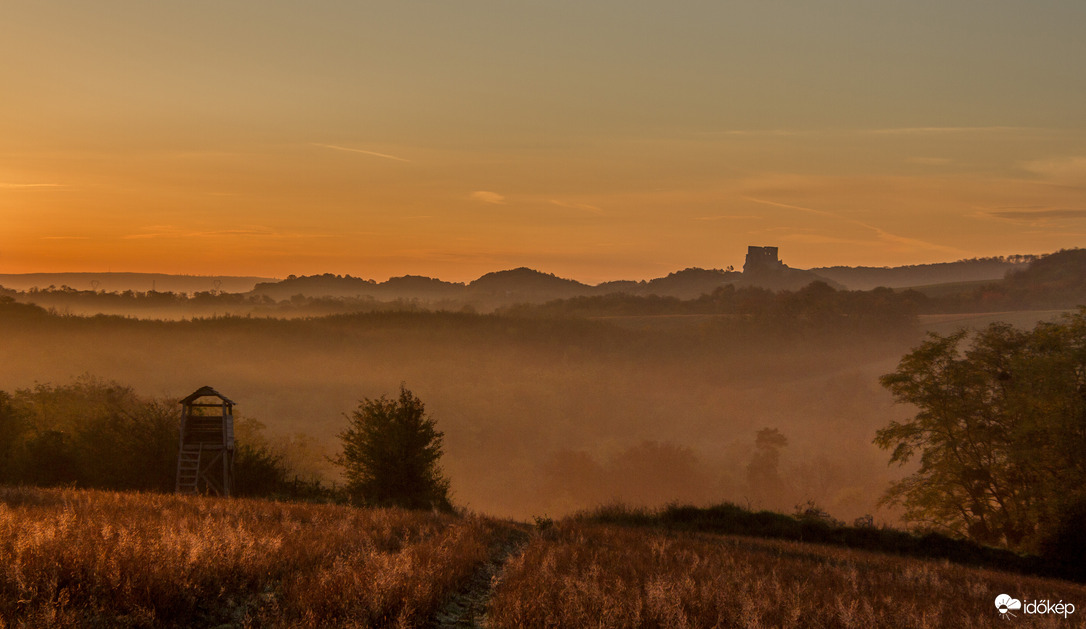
(975, 270)
(524, 284)
(117, 282)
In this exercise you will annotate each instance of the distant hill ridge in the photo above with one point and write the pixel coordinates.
(527, 284)
(1057, 280)
(524, 279)
(122, 281)
(973, 270)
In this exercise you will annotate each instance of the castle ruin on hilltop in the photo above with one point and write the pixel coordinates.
(761, 259)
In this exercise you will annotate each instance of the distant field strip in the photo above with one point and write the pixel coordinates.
(591, 575)
(948, 323)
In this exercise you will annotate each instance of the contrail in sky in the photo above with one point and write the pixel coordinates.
(350, 150)
(881, 233)
(796, 207)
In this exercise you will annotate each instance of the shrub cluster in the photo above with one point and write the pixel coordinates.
(98, 434)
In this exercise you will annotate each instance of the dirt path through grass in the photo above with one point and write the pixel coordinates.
(467, 608)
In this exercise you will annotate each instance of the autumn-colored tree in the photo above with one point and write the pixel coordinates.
(1000, 429)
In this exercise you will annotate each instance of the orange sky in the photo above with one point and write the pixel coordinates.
(597, 141)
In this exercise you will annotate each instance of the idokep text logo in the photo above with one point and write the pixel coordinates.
(1007, 605)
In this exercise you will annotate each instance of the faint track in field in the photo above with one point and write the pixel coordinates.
(467, 608)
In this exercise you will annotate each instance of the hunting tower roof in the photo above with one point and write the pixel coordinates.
(206, 392)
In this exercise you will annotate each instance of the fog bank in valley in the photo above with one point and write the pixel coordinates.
(541, 416)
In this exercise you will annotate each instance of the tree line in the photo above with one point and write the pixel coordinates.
(98, 434)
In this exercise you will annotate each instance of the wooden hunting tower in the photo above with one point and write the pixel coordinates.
(205, 460)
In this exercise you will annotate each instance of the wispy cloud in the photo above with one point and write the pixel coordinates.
(1070, 170)
(584, 207)
(19, 186)
(913, 243)
(784, 133)
(880, 234)
(945, 130)
(65, 237)
(822, 239)
(724, 217)
(929, 161)
(168, 231)
(486, 196)
(778, 133)
(347, 149)
(1027, 214)
(799, 208)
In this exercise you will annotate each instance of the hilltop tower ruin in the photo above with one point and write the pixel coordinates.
(205, 460)
(762, 259)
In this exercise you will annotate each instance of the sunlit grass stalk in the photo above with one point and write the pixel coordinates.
(591, 575)
(79, 558)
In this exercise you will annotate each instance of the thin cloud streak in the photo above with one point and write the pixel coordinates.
(19, 186)
(1064, 169)
(882, 234)
(820, 239)
(841, 131)
(486, 196)
(725, 217)
(261, 232)
(796, 207)
(364, 152)
(1032, 215)
(913, 242)
(946, 130)
(584, 207)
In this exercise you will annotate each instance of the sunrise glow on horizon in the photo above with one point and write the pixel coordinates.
(597, 141)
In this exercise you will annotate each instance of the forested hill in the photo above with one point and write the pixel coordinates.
(974, 270)
(1057, 280)
(1054, 281)
(524, 285)
(685, 284)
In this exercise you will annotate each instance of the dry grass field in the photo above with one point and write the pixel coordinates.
(591, 575)
(76, 558)
(101, 559)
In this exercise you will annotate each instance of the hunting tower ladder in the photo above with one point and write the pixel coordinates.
(205, 460)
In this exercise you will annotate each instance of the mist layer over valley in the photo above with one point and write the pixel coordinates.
(767, 399)
(540, 415)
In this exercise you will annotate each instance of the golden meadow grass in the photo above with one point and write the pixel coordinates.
(592, 575)
(75, 558)
(92, 558)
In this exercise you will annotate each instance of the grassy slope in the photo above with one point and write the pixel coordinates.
(88, 558)
(584, 574)
(91, 558)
